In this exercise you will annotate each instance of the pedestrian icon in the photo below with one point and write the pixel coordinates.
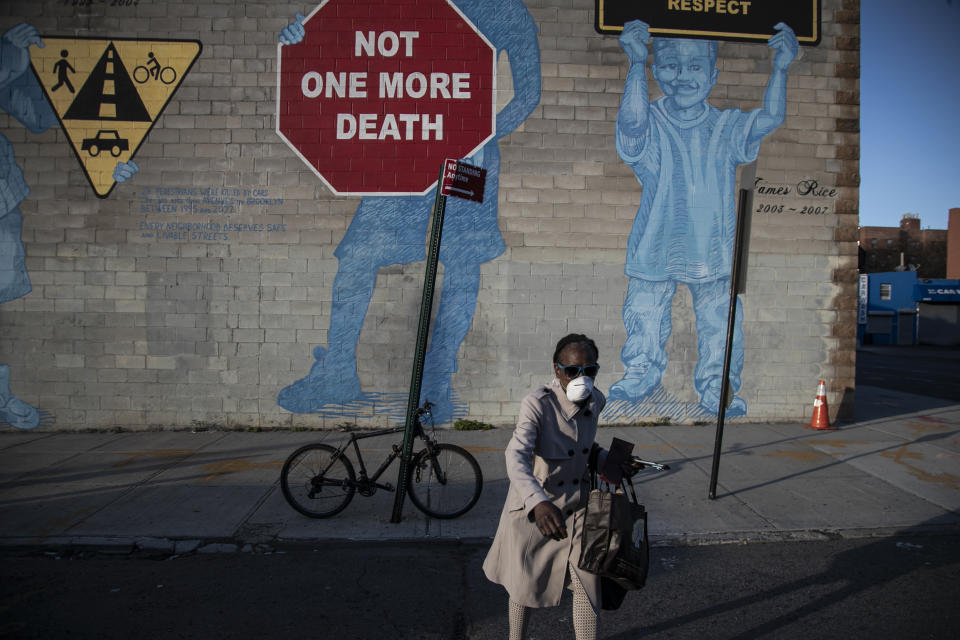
(109, 93)
(63, 68)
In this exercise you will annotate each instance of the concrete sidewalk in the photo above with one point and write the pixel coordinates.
(896, 468)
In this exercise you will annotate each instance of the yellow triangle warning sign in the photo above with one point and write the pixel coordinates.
(108, 93)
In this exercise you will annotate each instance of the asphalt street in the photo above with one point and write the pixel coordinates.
(886, 588)
(922, 370)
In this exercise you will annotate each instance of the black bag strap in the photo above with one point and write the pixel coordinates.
(624, 480)
(629, 481)
(592, 464)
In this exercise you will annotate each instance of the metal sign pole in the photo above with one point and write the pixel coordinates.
(737, 285)
(423, 330)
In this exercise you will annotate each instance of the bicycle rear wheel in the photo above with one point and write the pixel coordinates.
(317, 481)
(444, 485)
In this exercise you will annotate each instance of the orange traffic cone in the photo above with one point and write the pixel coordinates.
(821, 418)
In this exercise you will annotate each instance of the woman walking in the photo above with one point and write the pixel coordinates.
(549, 461)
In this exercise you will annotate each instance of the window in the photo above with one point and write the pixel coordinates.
(873, 243)
(889, 242)
(885, 291)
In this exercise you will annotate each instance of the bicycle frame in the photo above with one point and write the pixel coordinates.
(363, 478)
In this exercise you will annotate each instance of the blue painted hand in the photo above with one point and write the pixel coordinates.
(785, 43)
(293, 32)
(634, 40)
(125, 170)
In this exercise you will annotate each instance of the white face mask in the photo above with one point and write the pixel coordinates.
(579, 389)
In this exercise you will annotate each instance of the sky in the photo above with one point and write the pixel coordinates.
(909, 111)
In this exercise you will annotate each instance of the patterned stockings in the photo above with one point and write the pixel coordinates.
(584, 617)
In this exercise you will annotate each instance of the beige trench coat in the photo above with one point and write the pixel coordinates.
(547, 459)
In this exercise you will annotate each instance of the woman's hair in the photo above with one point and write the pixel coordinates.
(575, 338)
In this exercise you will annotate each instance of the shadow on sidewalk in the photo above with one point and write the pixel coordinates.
(876, 403)
(929, 438)
(947, 427)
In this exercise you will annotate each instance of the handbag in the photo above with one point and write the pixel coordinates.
(614, 544)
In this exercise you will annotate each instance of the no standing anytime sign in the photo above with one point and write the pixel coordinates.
(378, 93)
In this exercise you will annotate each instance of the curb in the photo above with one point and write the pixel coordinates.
(177, 547)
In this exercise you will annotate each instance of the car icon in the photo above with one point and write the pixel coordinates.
(105, 139)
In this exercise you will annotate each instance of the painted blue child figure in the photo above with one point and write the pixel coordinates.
(22, 97)
(685, 152)
(388, 230)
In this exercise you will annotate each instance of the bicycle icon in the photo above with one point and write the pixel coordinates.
(153, 69)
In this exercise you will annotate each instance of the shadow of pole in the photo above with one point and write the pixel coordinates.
(842, 461)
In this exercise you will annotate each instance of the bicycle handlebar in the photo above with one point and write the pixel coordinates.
(653, 465)
(427, 405)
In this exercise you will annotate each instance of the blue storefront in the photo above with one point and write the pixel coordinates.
(897, 308)
(938, 306)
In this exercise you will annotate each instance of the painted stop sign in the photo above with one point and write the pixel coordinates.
(378, 93)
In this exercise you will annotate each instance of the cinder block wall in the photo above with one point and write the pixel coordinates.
(130, 330)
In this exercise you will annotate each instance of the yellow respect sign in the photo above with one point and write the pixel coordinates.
(108, 93)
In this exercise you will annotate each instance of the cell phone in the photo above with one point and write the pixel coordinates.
(618, 453)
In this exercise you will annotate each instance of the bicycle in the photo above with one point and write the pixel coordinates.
(444, 480)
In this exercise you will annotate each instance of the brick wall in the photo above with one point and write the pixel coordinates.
(122, 329)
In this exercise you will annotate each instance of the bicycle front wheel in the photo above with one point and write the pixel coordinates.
(167, 75)
(445, 482)
(317, 481)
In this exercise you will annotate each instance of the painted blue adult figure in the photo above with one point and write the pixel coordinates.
(685, 152)
(22, 97)
(388, 230)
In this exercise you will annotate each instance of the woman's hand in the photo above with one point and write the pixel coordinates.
(549, 520)
(631, 467)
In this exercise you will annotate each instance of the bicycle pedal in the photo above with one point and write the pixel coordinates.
(387, 486)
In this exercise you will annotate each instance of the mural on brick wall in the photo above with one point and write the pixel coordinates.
(108, 93)
(82, 84)
(390, 230)
(685, 152)
(22, 98)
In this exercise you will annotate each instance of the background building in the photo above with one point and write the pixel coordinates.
(953, 244)
(907, 246)
(898, 308)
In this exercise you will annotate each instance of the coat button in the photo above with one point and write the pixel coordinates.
(586, 450)
(560, 484)
(570, 453)
(569, 512)
(576, 480)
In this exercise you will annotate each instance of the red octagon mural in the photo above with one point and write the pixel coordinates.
(379, 92)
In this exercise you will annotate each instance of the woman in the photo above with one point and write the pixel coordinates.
(537, 545)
